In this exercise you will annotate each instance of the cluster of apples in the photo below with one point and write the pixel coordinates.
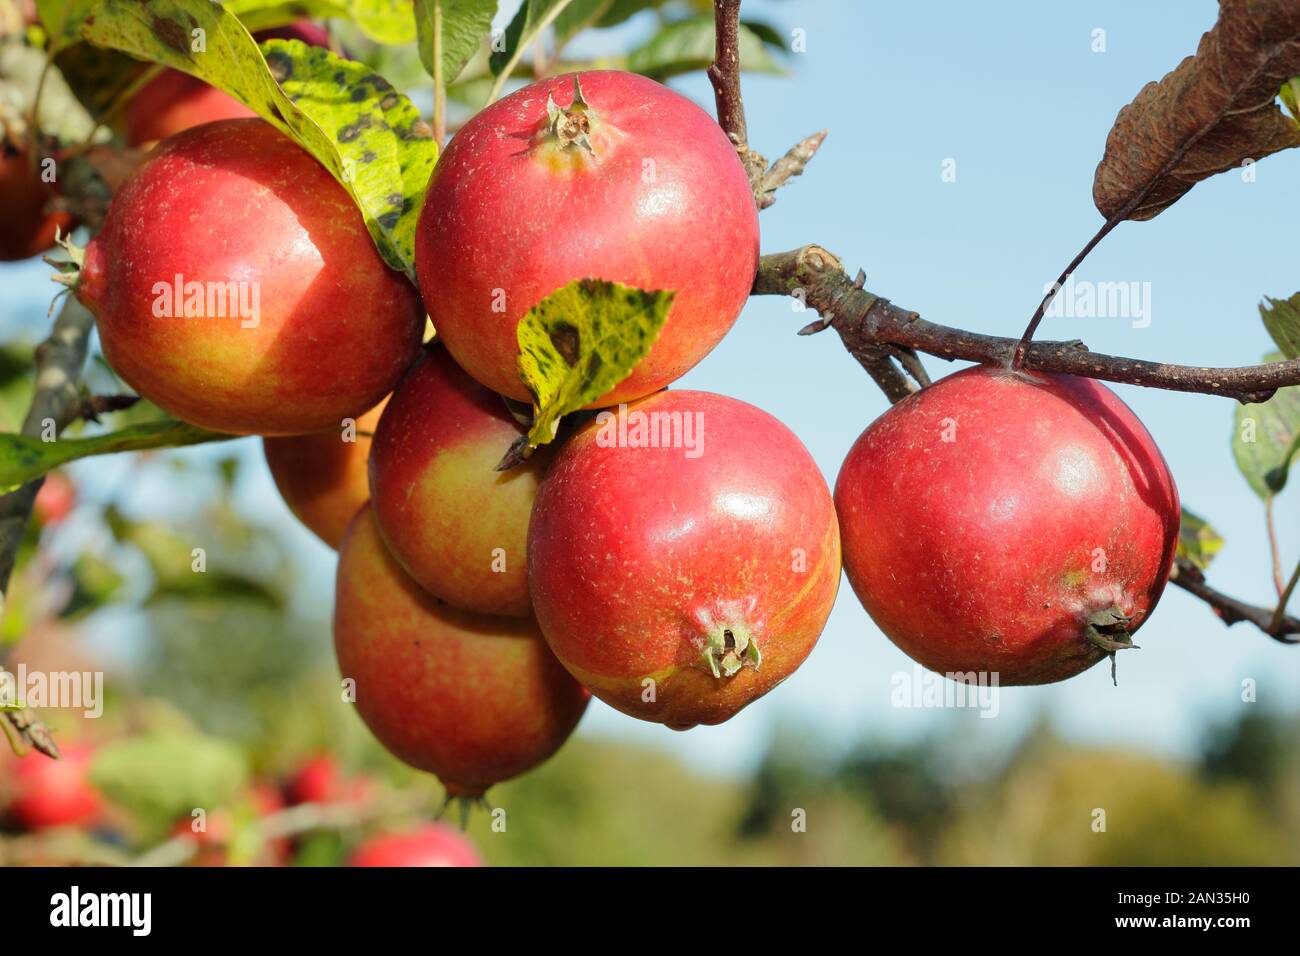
(477, 610)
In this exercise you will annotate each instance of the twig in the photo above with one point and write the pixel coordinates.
(1022, 347)
(864, 319)
(724, 74)
(1281, 627)
(57, 400)
(787, 167)
(1285, 598)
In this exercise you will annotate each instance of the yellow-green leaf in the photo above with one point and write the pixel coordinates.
(582, 340)
(369, 136)
(1197, 540)
(23, 458)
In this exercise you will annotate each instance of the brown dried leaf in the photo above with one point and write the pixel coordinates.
(1214, 111)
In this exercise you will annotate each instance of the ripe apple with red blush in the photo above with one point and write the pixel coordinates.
(30, 220)
(458, 526)
(630, 183)
(472, 698)
(323, 477)
(1008, 522)
(321, 329)
(433, 844)
(680, 583)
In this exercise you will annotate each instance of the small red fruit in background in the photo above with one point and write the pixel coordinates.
(28, 222)
(301, 323)
(321, 780)
(323, 478)
(708, 571)
(458, 526)
(472, 698)
(434, 844)
(1006, 522)
(52, 793)
(637, 185)
(174, 101)
(55, 500)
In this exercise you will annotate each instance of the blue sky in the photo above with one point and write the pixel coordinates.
(1017, 97)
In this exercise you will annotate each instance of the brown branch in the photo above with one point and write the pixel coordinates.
(1283, 627)
(864, 319)
(724, 74)
(55, 403)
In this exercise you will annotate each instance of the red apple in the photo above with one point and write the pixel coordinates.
(29, 223)
(639, 186)
(457, 526)
(471, 698)
(681, 582)
(1009, 523)
(323, 477)
(434, 844)
(53, 793)
(55, 500)
(284, 319)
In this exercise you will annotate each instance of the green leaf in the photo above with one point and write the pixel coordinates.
(450, 32)
(1282, 319)
(1267, 438)
(369, 136)
(582, 340)
(533, 17)
(384, 21)
(163, 776)
(62, 20)
(1291, 97)
(23, 458)
(1197, 540)
(689, 45)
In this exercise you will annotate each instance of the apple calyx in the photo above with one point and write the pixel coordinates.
(729, 640)
(67, 272)
(1108, 630)
(571, 126)
(465, 801)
